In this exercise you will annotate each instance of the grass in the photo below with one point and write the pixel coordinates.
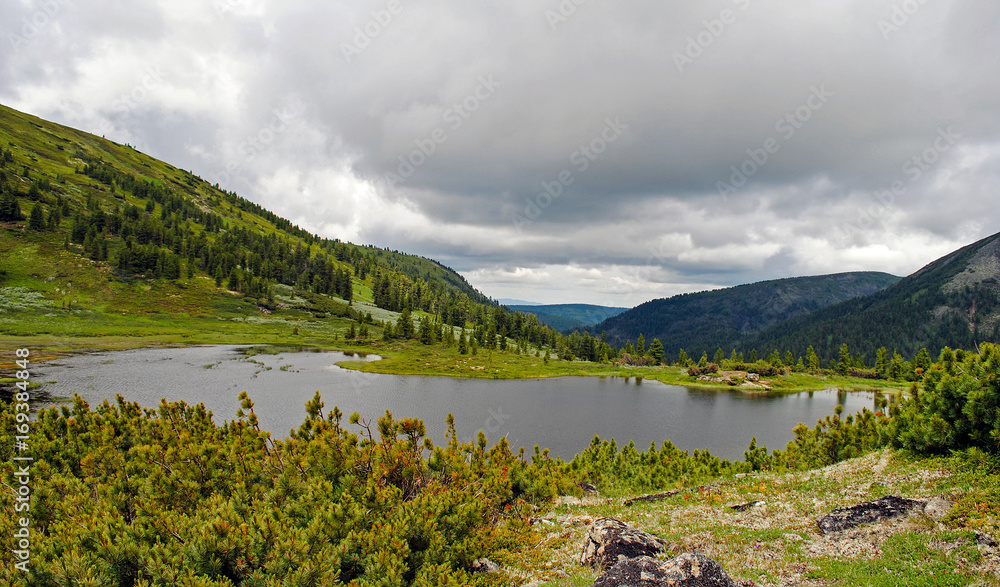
(779, 543)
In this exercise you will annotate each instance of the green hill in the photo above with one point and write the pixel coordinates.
(954, 301)
(566, 317)
(98, 239)
(706, 321)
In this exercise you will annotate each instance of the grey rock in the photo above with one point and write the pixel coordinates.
(746, 506)
(610, 541)
(686, 570)
(937, 508)
(886, 508)
(985, 540)
(484, 565)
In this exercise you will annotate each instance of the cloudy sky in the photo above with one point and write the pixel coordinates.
(555, 151)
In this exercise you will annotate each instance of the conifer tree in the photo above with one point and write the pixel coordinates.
(656, 350)
(845, 360)
(812, 359)
(36, 220)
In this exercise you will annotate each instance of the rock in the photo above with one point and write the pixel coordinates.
(586, 487)
(484, 565)
(746, 506)
(886, 508)
(754, 377)
(610, 540)
(937, 508)
(985, 540)
(791, 537)
(686, 570)
(654, 497)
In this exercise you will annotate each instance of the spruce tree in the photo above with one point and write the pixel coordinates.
(656, 350)
(845, 360)
(37, 219)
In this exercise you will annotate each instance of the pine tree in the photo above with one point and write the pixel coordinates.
(404, 325)
(640, 345)
(719, 356)
(463, 344)
(683, 359)
(882, 361)
(812, 359)
(753, 355)
(845, 360)
(656, 351)
(36, 220)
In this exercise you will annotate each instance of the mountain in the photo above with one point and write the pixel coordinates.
(566, 317)
(107, 234)
(515, 302)
(954, 301)
(722, 318)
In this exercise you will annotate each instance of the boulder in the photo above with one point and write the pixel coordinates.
(886, 508)
(937, 508)
(686, 570)
(610, 541)
(746, 506)
(483, 565)
(985, 540)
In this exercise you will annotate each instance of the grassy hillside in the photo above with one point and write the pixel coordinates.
(99, 242)
(954, 301)
(566, 317)
(706, 321)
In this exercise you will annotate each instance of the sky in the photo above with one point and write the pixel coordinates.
(556, 151)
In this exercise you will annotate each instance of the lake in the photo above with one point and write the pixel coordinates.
(562, 413)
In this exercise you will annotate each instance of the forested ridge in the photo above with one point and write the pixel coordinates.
(704, 321)
(148, 221)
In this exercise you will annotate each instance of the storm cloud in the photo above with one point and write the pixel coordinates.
(556, 150)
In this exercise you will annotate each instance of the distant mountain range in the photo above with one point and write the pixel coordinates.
(954, 301)
(565, 317)
(725, 318)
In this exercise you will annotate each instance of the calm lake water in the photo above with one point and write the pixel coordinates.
(562, 413)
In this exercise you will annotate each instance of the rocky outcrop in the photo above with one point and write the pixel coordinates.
(686, 570)
(610, 541)
(886, 508)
